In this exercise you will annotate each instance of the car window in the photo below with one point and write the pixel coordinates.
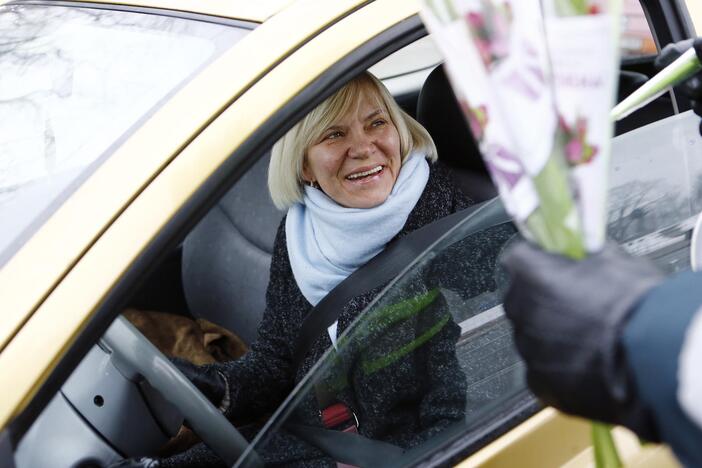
(430, 359)
(405, 70)
(656, 190)
(636, 37)
(60, 69)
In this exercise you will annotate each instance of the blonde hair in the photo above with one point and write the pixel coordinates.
(285, 180)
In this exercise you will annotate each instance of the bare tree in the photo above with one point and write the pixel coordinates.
(629, 203)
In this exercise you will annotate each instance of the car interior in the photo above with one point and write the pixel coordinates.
(220, 273)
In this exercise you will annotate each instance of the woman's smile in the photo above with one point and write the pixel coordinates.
(367, 176)
(363, 174)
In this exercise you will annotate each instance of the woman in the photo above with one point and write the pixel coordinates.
(354, 174)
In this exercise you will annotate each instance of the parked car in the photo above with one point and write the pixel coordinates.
(130, 131)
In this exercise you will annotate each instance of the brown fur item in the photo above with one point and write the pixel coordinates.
(199, 341)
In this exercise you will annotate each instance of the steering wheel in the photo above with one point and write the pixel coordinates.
(133, 349)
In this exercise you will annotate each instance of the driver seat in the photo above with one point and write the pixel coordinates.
(227, 256)
(438, 111)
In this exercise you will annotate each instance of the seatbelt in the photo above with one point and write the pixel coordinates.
(387, 265)
(345, 447)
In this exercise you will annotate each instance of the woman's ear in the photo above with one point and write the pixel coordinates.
(307, 175)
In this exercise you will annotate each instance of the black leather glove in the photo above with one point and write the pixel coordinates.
(212, 383)
(568, 317)
(143, 462)
(693, 86)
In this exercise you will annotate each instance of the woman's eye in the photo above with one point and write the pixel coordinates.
(333, 135)
(378, 123)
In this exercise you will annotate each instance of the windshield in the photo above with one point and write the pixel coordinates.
(74, 82)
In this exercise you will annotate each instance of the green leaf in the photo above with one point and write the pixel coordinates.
(571, 7)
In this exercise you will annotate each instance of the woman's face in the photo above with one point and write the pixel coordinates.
(357, 159)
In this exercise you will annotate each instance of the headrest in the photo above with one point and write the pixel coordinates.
(438, 111)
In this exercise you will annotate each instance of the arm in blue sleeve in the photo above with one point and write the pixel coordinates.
(652, 340)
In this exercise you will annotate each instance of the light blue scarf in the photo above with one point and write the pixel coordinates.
(327, 242)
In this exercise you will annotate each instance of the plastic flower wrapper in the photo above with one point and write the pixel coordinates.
(582, 38)
(498, 65)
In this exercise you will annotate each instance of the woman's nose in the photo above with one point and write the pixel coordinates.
(361, 146)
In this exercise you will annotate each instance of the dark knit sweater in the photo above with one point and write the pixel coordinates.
(403, 402)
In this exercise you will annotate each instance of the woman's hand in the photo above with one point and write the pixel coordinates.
(212, 383)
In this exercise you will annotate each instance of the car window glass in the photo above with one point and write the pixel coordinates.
(431, 358)
(73, 82)
(636, 38)
(656, 190)
(405, 70)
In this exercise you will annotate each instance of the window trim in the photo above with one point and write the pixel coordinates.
(249, 25)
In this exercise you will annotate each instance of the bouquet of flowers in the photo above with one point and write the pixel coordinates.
(536, 81)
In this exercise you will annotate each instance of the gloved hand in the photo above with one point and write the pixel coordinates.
(568, 317)
(212, 383)
(143, 462)
(693, 86)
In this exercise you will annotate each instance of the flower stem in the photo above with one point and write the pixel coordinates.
(606, 455)
(555, 223)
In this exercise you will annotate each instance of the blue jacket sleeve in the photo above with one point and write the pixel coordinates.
(652, 340)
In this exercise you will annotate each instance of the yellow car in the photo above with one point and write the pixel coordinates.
(134, 140)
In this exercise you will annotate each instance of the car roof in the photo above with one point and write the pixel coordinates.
(257, 11)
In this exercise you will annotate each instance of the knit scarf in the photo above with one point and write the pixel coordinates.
(327, 242)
